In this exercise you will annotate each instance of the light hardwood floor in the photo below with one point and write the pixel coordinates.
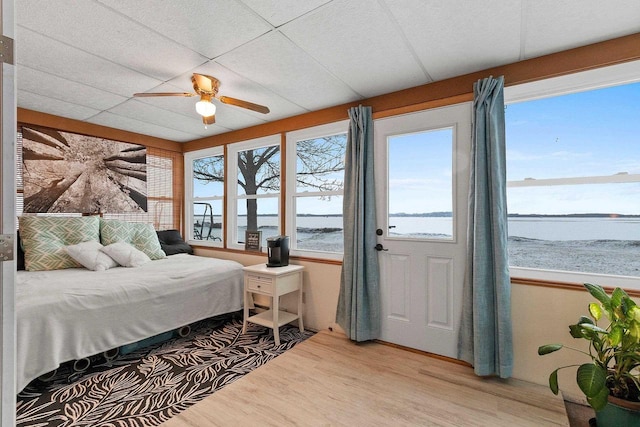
(330, 381)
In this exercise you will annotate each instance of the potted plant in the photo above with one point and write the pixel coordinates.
(611, 381)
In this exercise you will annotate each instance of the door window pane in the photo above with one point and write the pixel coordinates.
(420, 186)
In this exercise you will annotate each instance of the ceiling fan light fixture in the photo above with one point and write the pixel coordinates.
(207, 88)
(205, 107)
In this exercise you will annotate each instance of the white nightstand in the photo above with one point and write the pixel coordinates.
(273, 282)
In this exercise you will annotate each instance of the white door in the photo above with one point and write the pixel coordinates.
(422, 181)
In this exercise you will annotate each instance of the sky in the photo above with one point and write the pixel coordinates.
(420, 170)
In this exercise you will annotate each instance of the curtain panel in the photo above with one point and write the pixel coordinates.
(485, 331)
(358, 311)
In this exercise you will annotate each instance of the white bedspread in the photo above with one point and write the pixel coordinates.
(68, 314)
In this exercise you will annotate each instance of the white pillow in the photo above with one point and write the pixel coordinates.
(125, 254)
(89, 255)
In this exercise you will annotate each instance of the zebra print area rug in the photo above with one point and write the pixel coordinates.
(149, 386)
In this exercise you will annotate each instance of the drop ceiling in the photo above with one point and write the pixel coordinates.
(84, 59)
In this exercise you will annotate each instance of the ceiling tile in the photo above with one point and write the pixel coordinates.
(552, 26)
(388, 67)
(43, 104)
(210, 27)
(236, 118)
(458, 36)
(277, 64)
(101, 29)
(133, 125)
(279, 12)
(148, 113)
(36, 81)
(41, 53)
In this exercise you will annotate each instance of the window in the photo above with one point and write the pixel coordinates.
(205, 195)
(253, 186)
(315, 181)
(573, 191)
(251, 178)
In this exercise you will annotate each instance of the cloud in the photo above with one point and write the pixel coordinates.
(517, 155)
(412, 183)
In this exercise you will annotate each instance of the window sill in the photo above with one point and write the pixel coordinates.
(291, 257)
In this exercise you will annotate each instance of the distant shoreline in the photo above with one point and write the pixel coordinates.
(589, 215)
(449, 215)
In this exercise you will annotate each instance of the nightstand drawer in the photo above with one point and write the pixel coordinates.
(259, 284)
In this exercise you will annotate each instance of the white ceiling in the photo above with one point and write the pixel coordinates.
(84, 59)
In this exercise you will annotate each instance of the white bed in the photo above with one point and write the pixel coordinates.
(69, 314)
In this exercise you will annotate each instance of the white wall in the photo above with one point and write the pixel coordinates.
(542, 315)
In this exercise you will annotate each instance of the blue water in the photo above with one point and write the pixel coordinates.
(592, 245)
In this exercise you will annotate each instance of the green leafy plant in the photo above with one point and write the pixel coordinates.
(614, 350)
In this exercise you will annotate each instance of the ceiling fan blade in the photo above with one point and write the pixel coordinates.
(149, 94)
(204, 83)
(209, 120)
(244, 104)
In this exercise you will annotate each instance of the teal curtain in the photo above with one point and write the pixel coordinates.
(358, 311)
(485, 332)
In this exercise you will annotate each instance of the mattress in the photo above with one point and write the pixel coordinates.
(69, 314)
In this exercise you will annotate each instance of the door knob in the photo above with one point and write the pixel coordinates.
(379, 247)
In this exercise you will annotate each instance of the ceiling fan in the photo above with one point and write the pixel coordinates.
(207, 88)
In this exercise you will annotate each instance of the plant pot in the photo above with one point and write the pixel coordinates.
(619, 413)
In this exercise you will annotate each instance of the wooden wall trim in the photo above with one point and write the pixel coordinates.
(449, 91)
(291, 257)
(30, 117)
(565, 285)
(283, 180)
(178, 193)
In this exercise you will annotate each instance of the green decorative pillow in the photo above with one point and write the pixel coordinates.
(44, 239)
(141, 236)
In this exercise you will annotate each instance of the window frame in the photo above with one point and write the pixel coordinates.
(615, 75)
(292, 139)
(189, 197)
(231, 186)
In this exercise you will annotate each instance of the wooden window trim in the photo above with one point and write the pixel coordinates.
(565, 285)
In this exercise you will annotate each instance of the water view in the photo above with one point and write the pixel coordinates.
(598, 244)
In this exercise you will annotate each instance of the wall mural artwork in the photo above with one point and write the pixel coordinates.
(67, 172)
